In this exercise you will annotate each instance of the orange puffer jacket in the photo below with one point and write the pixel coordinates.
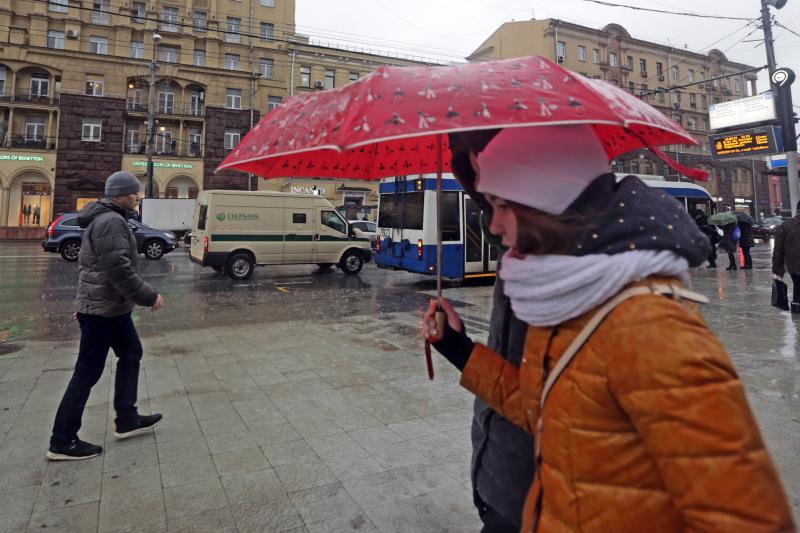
(647, 430)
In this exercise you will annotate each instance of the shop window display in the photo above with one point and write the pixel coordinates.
(35, 204)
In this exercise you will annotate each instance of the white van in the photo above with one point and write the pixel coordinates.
(236, 230)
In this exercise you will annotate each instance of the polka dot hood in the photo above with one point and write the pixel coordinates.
(628, 215)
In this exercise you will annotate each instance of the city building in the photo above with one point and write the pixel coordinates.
(651, 71)
(75, 94)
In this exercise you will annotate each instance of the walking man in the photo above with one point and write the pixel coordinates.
(108, 289)
(786, 255)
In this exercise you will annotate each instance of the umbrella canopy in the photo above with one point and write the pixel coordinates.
(393, 121)
(722, 219)
(743, 218)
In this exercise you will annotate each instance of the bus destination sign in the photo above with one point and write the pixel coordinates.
(746, 143)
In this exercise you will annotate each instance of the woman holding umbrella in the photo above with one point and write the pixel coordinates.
(634, 429)
(730, 235)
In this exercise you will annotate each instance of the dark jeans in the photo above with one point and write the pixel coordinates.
(795, 287)
(748, 261)
(493, 522)
(98, 334)
(731, 260)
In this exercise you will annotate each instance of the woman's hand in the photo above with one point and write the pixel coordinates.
(429, 329)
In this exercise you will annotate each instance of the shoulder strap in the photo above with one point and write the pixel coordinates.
(677, 293)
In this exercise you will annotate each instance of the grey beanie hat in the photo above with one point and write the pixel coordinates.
(122, 184)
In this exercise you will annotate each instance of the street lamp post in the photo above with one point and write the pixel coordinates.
(151, 115)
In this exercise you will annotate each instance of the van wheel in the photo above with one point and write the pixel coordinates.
(240, 266)
(153, 249)
(324, 266)
(351, 262)
(70, 250)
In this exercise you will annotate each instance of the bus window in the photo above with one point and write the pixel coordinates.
(450, 217)
(402, 211)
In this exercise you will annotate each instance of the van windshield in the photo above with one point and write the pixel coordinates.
(201, 218)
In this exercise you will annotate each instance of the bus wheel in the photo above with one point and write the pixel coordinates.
(351, 262)
(240, 266)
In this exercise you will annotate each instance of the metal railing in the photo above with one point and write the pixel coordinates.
(175, 148)
(23, 140)
(29, 98)
(189, 110)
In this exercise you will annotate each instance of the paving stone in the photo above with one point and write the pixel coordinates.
(18, 501)
(252, 486)
(211, 521)
(229, 442)
(305, 475)
(194, 498)
(323, 503)
(273, 435)
(181, 449)
(356, 521)
(132, 510)
(220, 425)
(240, 461)
(273, 512)
(376, 489)
(182, 429)
(14, 524)
(187, 471)
(130, 453)
(297, 451)
(423, 478)
(77, 518)
(68, 488)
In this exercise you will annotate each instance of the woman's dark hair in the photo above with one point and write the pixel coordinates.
(540, 233)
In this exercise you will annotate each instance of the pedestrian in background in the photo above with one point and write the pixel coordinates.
(746, 242)
(108, 290)
(635, 430)
(502, 463)
(710, 231)
(730, 242)
(786, 255)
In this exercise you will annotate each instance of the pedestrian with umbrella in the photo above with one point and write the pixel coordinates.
(730, 235)
(634, 428)
(710, 231)
(745, 224)
(395, 122)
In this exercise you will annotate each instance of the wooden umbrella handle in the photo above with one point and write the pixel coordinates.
(441, 320)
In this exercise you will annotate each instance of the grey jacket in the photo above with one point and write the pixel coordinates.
(502, 453)
(108, 284)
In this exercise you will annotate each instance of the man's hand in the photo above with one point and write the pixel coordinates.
(158, 304)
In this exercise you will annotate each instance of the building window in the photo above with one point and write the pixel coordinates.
(690, 75)
(98, 45)
(703, 125)
(612, 59)
(133, 143)
(166, 102)
(232, 138)
(55, 39)
(659, 69)
(676, 73)
(266, 68)
(644, 90)
(330, 78)
(629, 62)
(164, 142)
(596, 55)
(40, 85)
(703, 101)
(2, 80)
(273, 102)
(101, 11)
(92, 129)
(353, 76)
(737, 86)
(200, 21)
(234, 30)
(58, 6)
(678, 96)
(199, 58)
(232, 61)
(268, 3)
(169, 19)
(660, 95)
(34, 128)
(94, 87)
(137, 50)
(691, 123)
(138, 12)
(581, 53)
(233, 98)
(561, 50)
(692, 99)
(267, 31)
(195, 136)
(168, 54)
(305, 76)
(643, 66)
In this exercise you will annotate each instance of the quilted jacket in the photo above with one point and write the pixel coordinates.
(648, 429)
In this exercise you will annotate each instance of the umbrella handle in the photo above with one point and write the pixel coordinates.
(441, 320)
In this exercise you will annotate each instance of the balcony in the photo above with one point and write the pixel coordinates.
(161, 148)
(29, 98)
(101, 17)
(133, 105)
(30, 142)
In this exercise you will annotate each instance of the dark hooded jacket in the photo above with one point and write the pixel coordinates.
(786, 255)
(108, 284)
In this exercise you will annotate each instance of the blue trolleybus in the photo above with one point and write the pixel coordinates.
(407, 224)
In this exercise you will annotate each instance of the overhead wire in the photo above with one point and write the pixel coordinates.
(663, 11)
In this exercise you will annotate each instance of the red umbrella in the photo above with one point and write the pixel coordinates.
(388, 122)
(393, 122)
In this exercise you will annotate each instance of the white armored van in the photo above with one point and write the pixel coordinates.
(233, 231)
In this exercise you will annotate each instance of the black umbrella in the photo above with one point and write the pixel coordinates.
(743, 218)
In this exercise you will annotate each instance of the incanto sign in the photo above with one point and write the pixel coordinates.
(745, 143)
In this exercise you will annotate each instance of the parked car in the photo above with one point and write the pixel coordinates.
(64, 236)
(762, 232)
(772, 223)
(367, 229)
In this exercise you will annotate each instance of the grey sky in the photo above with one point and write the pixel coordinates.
(451, 29)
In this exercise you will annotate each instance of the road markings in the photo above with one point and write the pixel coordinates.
(293, 282)
(282, 289)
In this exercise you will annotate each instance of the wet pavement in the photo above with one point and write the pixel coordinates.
(295, 401)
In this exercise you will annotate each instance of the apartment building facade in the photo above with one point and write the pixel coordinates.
(75, 93)
(651, 71)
